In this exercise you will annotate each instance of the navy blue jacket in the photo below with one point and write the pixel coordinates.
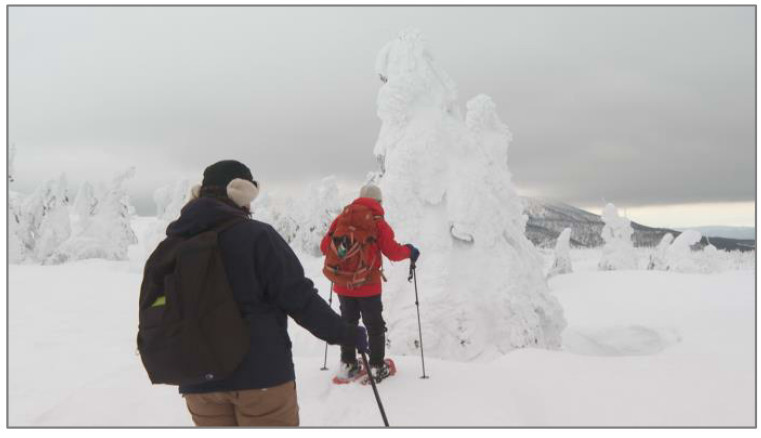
(269, 285)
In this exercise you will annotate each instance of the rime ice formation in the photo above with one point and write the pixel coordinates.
(658, 257)
(108, 232)
(618, 252)
(45, 213)
(317, 209)
(18, 239)
(679, 256)
(279, 216)
(447, 188)
(562, 259)
(85, 204)
(169, 200)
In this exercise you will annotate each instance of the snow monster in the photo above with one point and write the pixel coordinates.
(447, 186)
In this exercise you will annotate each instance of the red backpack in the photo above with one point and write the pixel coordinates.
(351, 260)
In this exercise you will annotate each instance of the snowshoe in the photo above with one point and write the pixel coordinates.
(380, 373)
(349, 373)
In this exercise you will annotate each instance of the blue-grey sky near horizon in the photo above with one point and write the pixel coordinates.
(640, 106)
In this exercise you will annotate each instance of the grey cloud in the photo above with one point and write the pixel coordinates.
(636, 105)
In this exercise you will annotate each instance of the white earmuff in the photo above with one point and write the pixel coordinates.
(242, 192)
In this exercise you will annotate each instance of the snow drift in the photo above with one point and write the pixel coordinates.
(447, 189)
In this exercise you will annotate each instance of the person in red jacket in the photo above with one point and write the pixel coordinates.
(365, 300)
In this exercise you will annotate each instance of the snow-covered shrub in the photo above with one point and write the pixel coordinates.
(618, 252)
(108, 232)
(658, 257)
(562, 258)
(46, 216)
(447, 188)
(318, 207)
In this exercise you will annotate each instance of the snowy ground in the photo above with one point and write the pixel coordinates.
(641, 348)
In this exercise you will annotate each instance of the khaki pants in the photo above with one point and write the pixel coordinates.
(276, 406)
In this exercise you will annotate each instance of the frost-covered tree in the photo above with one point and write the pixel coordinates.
(19, 241)
(447, 188)
(658, 257)
(318, 207)
(11, 162)
(169, 200)
(86, 203)
(618, 251)
(680, 256)
(46, 215)
(108, 233)
(561, 263)
(710, 260)
(278, 215)
(19, 238)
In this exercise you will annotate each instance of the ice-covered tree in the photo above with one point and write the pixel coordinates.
(679, 256)
(318, 207)
(618, 251)
(447, 188)
(11, 162)
(108, 232)
(169, 200)
(19, 239)
(561, 263)
(46, 215)
(85, 204)
(278, 214)
(658, 257)
(709, 260)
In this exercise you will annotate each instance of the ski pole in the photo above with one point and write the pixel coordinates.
(330, 303)
(375, 389)
(413, 276)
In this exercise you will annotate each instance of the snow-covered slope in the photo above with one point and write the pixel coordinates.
(642, 348)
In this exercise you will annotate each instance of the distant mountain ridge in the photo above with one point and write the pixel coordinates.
(547, 218)
(742, 233)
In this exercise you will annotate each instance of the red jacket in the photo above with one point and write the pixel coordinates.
(386, 245)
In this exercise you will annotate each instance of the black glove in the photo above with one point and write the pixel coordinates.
(361, 339)
(414, 252)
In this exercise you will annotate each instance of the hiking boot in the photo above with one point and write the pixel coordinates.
(348, 371)
(380, 372)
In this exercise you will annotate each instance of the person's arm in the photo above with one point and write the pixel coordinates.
(325, 244)
(388, 245)
(285, 286)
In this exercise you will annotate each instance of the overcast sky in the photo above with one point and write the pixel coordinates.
(640, 106)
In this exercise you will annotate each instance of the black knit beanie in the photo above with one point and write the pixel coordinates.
(221, 173)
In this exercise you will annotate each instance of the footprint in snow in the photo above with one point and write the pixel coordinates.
(630, 340)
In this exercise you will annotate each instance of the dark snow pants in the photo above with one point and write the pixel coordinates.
(371, 310)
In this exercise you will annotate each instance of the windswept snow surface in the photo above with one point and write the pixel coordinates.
(642, 348)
